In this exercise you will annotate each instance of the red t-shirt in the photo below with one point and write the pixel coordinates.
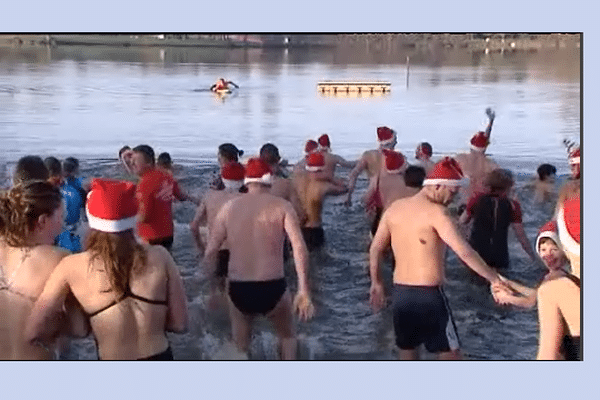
(155, 193)
(516, 215)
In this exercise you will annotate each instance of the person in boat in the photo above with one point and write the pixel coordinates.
(222, 84)
(132, 293)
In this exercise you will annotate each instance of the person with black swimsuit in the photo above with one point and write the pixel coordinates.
(131, 293)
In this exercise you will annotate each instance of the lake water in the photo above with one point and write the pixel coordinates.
(90, 101)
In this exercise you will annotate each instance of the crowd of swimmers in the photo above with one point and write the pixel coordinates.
(114, 276)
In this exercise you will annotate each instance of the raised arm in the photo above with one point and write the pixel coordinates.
(177, 316)
(491, 115)
(302, 300)
(380, 242)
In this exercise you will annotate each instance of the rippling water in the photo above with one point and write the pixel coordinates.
(88, 102)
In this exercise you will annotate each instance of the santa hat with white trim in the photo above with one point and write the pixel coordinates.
(575, 156)
(111, 205)
(258, 171)
(480, 141)
(569, 230)
(324, 142)
(394, 161)
(232, 174)
(445, 172)
(385, 135)
(315, 162)
(310, 147)
(549, 230)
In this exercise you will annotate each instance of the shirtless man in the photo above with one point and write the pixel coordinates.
(331, 160)
(312, 191)
(423, 155)
(255, 224)
(232, 175)
(310, 147)
(282, 186)
(475, 164)
(573, 186)
(419, 228)
(372, 160)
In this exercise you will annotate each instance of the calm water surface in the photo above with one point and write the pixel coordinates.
(90, 101)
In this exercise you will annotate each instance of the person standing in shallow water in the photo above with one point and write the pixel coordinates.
(255, 225)
(131, 293)
(418, 229)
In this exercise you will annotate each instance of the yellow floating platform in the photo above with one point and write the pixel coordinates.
(358, 87)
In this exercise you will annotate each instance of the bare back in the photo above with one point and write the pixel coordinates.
(374, 162)
(130, 328)
(214, 201)
(22, 278)
(392, 188)
(475, 166)
(311, 193)
(255, 223)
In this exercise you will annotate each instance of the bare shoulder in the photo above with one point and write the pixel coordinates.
(50, 254)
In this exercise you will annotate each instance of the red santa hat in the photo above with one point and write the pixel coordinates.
(569, 230)
(575, 156)
(324, 143)
(111, 205)
(549, 230)
(385, 135)
(232, 174)
(394, 161)
(258, 171)
(310, 146)
(315, 162)
(480, 141)
(445, 172)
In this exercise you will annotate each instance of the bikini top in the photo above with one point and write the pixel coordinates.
(123, 297)
(6, 284)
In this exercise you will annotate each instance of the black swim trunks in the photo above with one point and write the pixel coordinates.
(222, 264)
(422, 315)
(313, 237)
(166, 355)
(256, 297)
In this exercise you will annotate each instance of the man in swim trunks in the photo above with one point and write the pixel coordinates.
(312, 191)
(423, 155)
(255, 225)
(155, 193)
(222, 84)
(418, 229)
(372, 160)
(331, 160)
(232, 174)
(475, 164)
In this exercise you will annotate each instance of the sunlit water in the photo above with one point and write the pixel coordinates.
(88, 102)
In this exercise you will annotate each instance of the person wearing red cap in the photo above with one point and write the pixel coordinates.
(155, 193)
(573, 186)
(232, 174)
(312, 190)
(559, 300)
(549, 250)
(423, 155)
(387, 186)
(418, 228)
(222, 85)
(372, 160)
(31, 216)
(331, 160)
(493, 213)
(311, 146)
(255, 226)
(132, 293)
(475, 164)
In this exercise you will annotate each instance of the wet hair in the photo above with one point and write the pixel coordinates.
(229, 152)
(70, 165)
(425, 148)
(30, 168)
(120, 254)
(499, 180)
(53, 165)
(123, 150)
(147, 151)
(270, 153)
(22, 205)
(164, 160)
(414, 176)
(545, 170)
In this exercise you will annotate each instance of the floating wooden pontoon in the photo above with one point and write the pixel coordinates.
(358, 87)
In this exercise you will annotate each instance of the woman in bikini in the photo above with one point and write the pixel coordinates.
(31, 216)
(132, 293)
